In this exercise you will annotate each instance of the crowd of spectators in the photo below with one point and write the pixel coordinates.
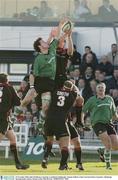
(36, 13)
(87, 70)
(80, 12)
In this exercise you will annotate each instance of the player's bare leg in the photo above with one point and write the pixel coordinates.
(108, 146)
(11, 136)
(47, 151)
(64, 144)
(77, 151)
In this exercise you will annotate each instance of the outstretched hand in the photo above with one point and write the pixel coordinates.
(84, 127)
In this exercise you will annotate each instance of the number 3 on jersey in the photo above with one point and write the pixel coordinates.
(61, 101)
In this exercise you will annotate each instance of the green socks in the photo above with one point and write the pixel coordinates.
(107, 156)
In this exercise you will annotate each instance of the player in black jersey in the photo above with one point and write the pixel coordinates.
(62, 101)
(8, 99)
(74, 136)
(62, 56)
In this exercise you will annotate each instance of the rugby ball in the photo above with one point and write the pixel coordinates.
(66, 26)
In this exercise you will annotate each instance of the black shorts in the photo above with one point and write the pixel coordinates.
(99, 128)
(72, 130)
(56, 125)
(43, 84)
(5, 125)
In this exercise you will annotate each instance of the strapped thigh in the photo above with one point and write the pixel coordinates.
(46, 99)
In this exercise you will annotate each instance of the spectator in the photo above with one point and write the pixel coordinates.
(76, 76)
(23, 88)
(88, 74)
(93, 85)
(87, 51)
(15, 15)
(27, 16)
(84, 91)
(96, 74)
(28, 121)
(76, 14)
(70, 74)
(75, 58)
(101, 78)
(84, 10)
(113, 55)
(33, 127)
(105, 66)
(34, 110)
(45, 11)
(114, 94)
(35, 11)
(20, 94)
(81, 10)
(107, 12)
(89, 61)
(112, 83)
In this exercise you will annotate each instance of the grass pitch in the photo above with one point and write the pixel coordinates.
(91, 168)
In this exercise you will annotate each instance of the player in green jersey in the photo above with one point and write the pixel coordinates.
(44, 70)
(102, 110)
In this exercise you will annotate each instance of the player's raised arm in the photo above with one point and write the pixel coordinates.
(70, 43)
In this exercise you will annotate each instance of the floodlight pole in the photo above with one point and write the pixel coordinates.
(115, 25)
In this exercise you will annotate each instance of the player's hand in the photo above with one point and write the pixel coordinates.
(69, 33)
(115, 117)
(86, 128)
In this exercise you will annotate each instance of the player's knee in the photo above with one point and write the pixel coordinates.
(13, 141)
(64, 148)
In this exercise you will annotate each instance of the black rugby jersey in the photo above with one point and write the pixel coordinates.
(8, 98)
(62, 59)
(62, 101)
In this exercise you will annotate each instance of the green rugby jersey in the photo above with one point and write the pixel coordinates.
(101, 110)
(45, 64)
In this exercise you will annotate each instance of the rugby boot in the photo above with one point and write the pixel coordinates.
(22, 166)
(44, 164)
(64, 167)
(80, 167)
(108, 166)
